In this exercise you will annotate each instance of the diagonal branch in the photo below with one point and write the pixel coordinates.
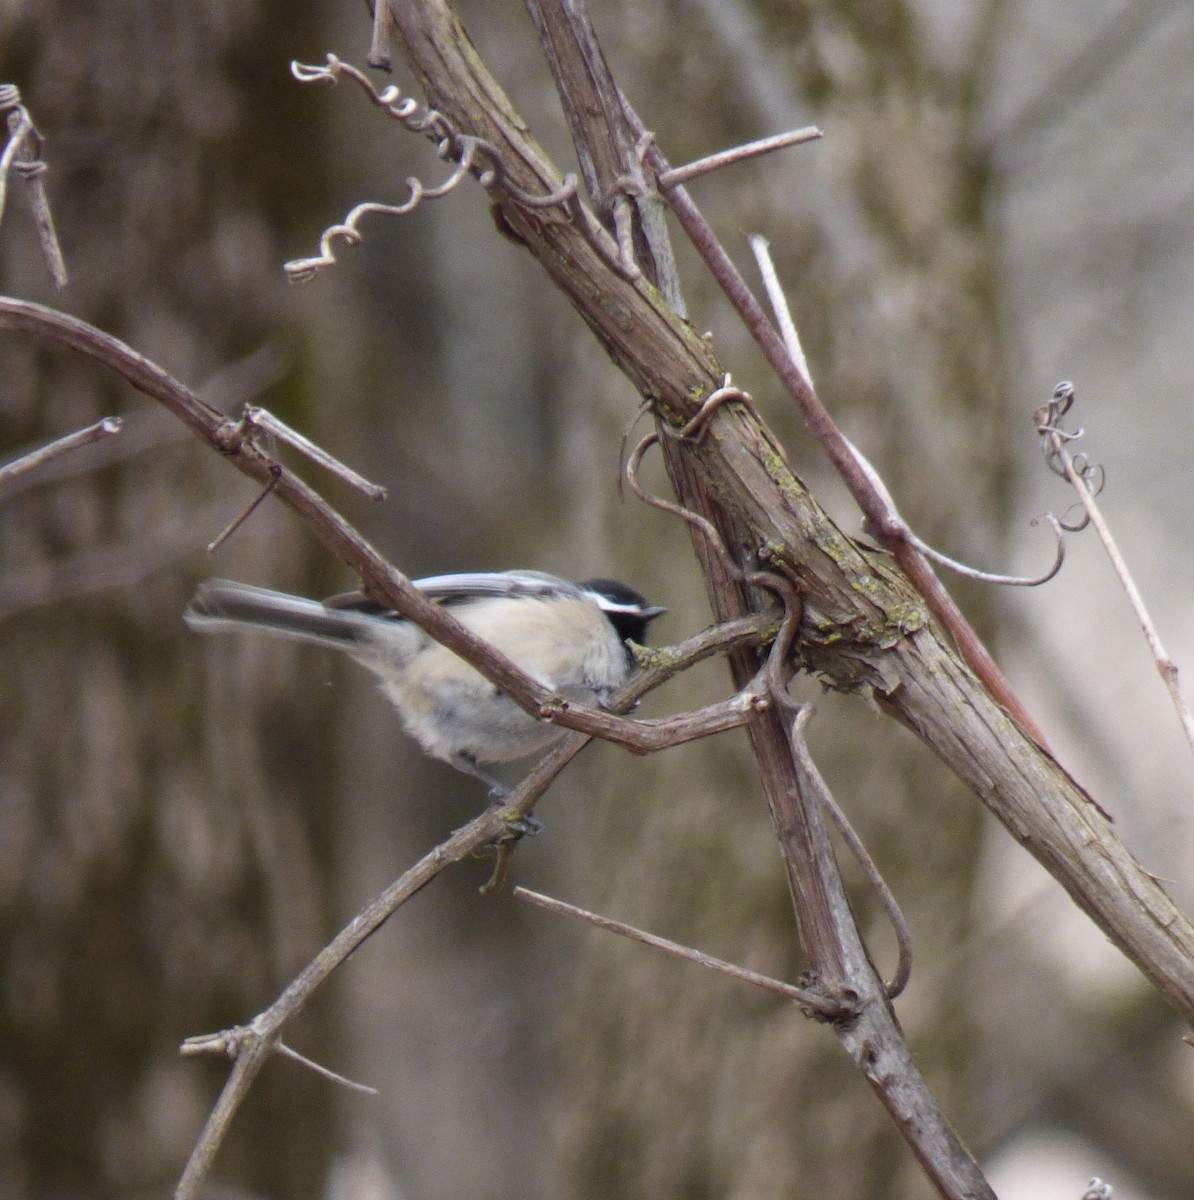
(234, 440)
(892, 533)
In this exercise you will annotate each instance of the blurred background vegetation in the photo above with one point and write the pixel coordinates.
(1004, 198)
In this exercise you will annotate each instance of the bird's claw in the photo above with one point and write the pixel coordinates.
(520, 827)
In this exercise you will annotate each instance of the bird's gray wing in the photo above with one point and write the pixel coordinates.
(454, 589)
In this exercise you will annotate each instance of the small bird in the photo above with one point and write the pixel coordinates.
(570, 637)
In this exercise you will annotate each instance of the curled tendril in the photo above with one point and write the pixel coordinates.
(990, 576)
(560, 196)
(726, 394)
(390, 98)
(898, 529)
(1055, 439)
(465, 150)
(300, 270)
(624, 441)
(695, 519)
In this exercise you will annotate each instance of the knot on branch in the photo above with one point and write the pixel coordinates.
(228, 1042)
(840, 1008)
(229, 436)
(552, 709)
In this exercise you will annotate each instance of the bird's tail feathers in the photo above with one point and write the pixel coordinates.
(220, 605)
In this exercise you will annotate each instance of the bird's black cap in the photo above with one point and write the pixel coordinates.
(627, 609)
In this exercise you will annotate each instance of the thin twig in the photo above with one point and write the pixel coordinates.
(779, 303)
(253, 1043)
(264, 420)
(242, 516)
(818, 787)
(244, 1070)
(725, 158)
(832, 1008)
(662, 663)
(644, 737)
(153, 430)
(1055, 440)
(56, 449)
(334, 1076)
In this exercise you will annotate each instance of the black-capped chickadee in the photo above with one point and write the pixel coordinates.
(570, 637)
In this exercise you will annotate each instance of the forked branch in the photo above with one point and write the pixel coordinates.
(251, 1045)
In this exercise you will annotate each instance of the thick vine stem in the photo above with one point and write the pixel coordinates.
(866, 629)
